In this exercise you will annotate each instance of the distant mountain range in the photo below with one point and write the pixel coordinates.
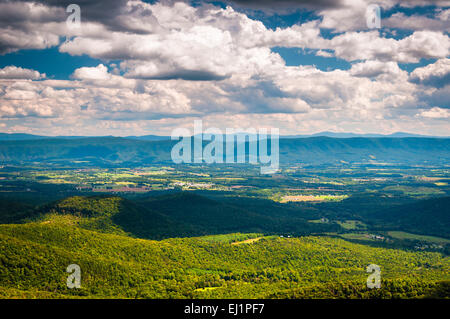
(350, 135)
(132, 152)
(24, 136)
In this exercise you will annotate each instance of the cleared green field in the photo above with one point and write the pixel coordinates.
(230, 238)
(318, 221)
(357, 236)
(352, 224)
(414, 191)
(312, 198)
(405, 235)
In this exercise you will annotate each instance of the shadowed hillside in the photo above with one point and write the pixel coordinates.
(430, 216)
(176, 215)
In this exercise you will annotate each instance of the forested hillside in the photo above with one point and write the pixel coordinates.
(35, 256)
(430, 216)
(180, 214)
(424, 216)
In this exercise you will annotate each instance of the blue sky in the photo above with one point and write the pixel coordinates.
(149, 67)
(60, 65)
(55, 64)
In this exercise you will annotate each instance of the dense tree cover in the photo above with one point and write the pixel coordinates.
(103, 234)
(13, 210)
(30, 194)
(380, 212)
(392, 288)
(182, 214)
(215, 216)
(430, 216)
(187, 214)
(34, 257)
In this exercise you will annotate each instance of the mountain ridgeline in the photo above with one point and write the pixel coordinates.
(174, 215)
(187, 214)
(35, 256)
(116, 151)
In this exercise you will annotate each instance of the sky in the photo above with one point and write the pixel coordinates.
(149, 67)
